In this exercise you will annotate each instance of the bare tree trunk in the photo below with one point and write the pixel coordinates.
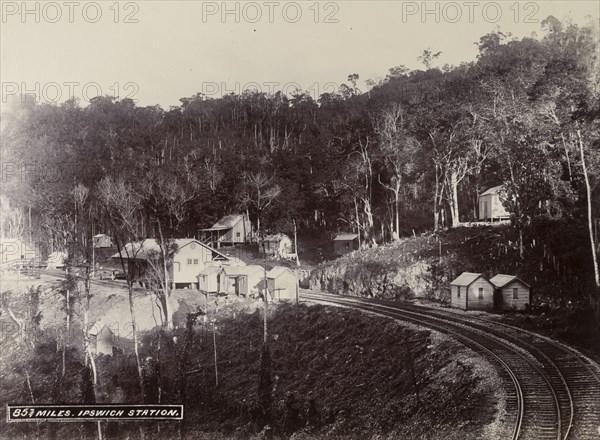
(588, 191)
(453, 199)
(166, 291)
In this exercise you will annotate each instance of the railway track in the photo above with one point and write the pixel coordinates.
(553, 390)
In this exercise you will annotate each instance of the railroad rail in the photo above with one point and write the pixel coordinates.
(553, 390)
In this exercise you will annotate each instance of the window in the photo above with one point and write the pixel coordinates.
(458, 294)
(347, 245)
(238, 235)
(481, 293)
(195, 261)
(515, 293)
(189, 261)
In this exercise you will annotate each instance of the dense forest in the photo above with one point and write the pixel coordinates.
(410, 155)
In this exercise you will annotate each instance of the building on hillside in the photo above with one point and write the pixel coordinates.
(229, 230)
(210, 279)
(277, 246)
(471, 291)
(491, 206)
(102, 241)
(103, 340)
(189, 258)
(282, 283)
(345, 243)
(512, 293)
(241, 280)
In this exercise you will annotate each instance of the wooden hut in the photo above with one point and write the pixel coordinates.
(103, 340)
(512, 293)
(282, 283)
(491, 206)
(242, 280)
(471, 291)
(102, 241)
(277, 246)
(345, 243)
(210, 279)
(229, 230)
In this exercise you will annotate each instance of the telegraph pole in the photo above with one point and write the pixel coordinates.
(266, 291)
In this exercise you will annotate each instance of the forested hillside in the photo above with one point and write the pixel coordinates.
(408, 156)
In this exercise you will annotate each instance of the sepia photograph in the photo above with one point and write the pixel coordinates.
(298, 220)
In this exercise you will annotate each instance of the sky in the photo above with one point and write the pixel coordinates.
(157, 52)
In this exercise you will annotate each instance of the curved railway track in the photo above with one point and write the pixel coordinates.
(553, 390)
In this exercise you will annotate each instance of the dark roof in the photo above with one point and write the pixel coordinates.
(346, 237)
(225, 223)
(502, 280)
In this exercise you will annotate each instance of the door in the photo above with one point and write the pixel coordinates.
(485, 210)
(498, 300)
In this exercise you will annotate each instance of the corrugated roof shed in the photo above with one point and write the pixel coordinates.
(346, 237)
(465, 279)
(502, 280)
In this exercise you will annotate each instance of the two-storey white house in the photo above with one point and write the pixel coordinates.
(186, 260)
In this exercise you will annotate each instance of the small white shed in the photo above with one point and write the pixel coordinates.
(282, 283)
(491, 206)
(471, 291)
(101, 338)
(512, 293)
(102, 241)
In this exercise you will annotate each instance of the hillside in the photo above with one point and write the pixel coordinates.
(555, 264)
(336, 373)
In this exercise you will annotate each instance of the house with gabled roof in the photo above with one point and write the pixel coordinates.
(512, 293)
(345, 243)
(229, 230)
(186, 260)
(242, 280)
(491, 206)
(282, 283)
(471, 291)
(277, 246)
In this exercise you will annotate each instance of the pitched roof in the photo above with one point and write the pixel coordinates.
(345, 237)
(149, 248)
(97, 327)
(276, 237)
(465, 279)
(210, 270)
(243, 270)
(226, 222)
(492, 190)
(502, 280)
(100, 235)
(278, 270)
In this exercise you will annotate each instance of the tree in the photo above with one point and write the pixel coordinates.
(261, 191)
(122, 207)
